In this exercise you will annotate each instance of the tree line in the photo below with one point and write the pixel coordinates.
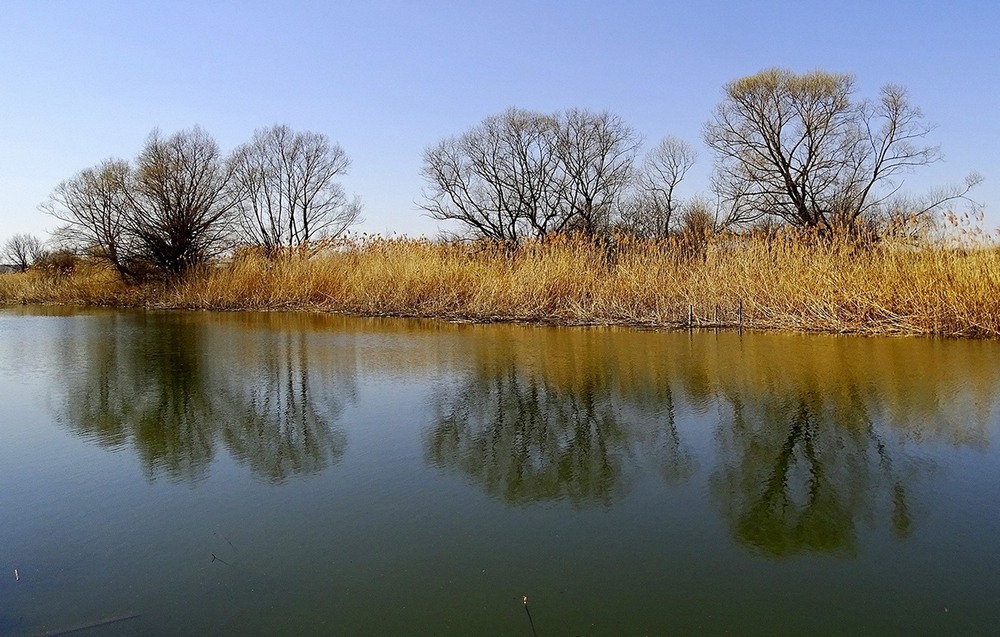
(801, 150)
(181, 203)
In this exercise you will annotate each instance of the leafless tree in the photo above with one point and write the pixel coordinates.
(522, 173)
(94, 206)
(800, 148)
(498, 179)
(180, 211)
(287, 188)
(652, 210)
(596, 153)
(22, 250)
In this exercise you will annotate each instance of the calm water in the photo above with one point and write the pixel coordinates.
(314, 475)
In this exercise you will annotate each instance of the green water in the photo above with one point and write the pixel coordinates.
(235, 474)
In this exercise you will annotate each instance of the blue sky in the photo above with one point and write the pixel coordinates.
(84, 80)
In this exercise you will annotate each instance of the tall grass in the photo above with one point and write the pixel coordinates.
(778, 281)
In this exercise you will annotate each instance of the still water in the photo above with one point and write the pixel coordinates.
(233, 474)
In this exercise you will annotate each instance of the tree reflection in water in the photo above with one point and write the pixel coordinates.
(173, 391)
(652, 412)
(811, 437)
(817, 437)
(283, 409)
(544, 415)
(525, 440)
(140, 382)
(811, 441)
(797, 473)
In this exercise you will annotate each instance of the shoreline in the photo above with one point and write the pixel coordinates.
(754, 284)
(675, 326)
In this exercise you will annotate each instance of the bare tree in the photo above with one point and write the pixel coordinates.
(596, 154)
(94, 206)
(498, 179)
(653, 208)
(522, 173)
(800, 148)
(180, 211)
(22, 250)
(287, 188)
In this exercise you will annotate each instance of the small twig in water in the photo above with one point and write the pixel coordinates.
(227, 542)
(97, 624)
(216, 558)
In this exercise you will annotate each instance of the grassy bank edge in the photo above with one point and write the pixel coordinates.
(758, 284)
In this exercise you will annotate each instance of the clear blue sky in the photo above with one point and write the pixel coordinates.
(84, 80)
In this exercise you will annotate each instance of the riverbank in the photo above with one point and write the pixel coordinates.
(775, 282)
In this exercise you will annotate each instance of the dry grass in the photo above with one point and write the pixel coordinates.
(91, 284)
(781, 282)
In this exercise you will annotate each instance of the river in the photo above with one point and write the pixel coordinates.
(174, 473)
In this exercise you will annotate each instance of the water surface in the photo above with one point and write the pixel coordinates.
(303, 474)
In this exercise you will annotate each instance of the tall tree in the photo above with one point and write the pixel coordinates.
(94, 206)
(181, 211)
(522, 173)
(654, 208)
(499, 178)
(596, 153)
(288, 189)
(801, 148)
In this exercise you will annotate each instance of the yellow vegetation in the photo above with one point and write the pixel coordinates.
(779, 281)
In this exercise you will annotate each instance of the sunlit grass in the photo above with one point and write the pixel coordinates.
(779, 282)
(90, 284)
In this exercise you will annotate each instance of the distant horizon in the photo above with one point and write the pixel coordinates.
(387, 80)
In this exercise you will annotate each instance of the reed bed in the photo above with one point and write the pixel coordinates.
(781, 281)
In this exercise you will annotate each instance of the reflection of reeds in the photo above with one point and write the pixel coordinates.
(778, 281)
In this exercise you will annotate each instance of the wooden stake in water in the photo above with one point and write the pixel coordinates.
(530, 621)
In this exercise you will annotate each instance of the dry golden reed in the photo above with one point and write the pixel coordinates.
(776, 281)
